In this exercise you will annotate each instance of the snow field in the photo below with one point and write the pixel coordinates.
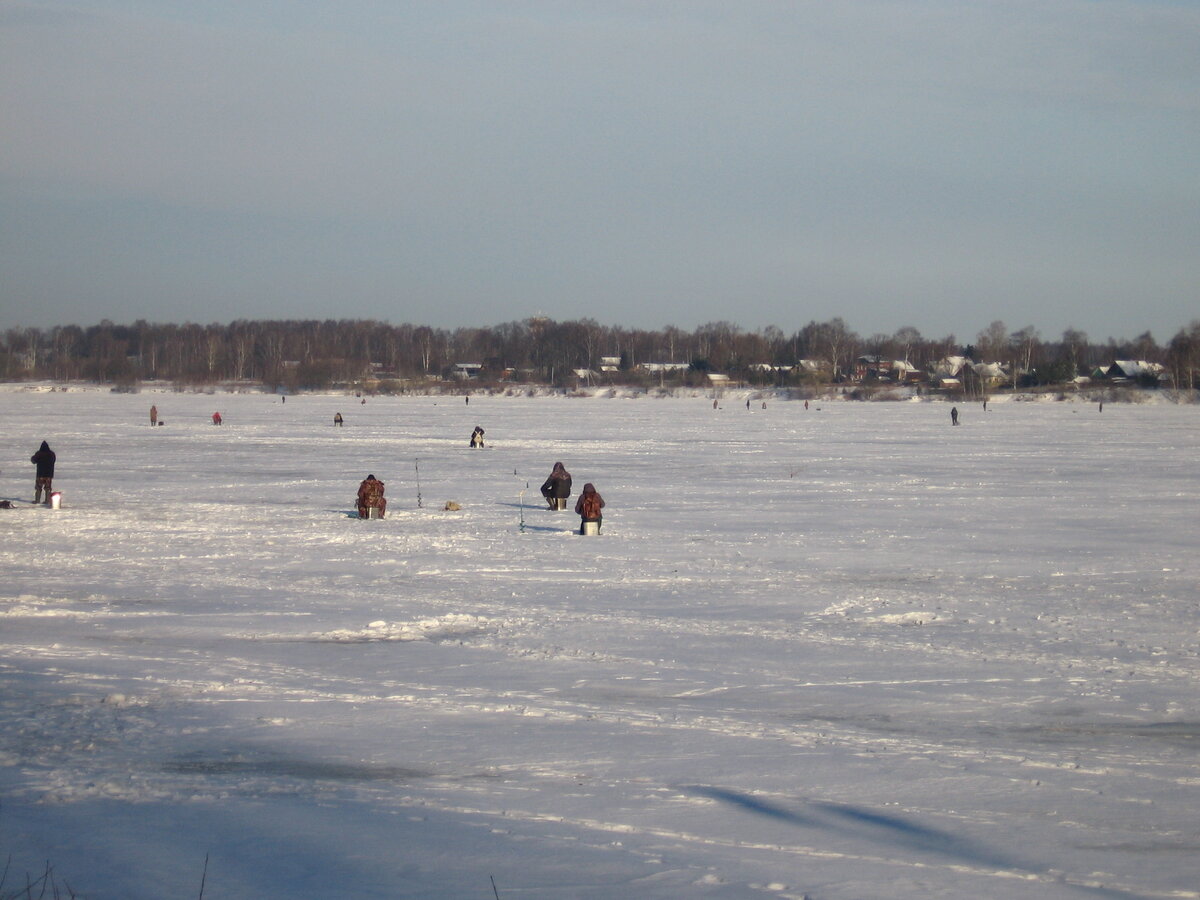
(838, 653)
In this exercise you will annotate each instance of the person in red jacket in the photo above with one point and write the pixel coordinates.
(588, 507)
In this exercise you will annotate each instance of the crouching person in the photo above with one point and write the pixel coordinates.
(557, 487)
(370, 497)
(588, 508)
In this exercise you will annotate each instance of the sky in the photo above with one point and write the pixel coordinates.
(941, 164)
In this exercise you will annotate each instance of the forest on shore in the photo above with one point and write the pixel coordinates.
(299, 355)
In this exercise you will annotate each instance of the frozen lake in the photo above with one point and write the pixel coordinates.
(839, 653)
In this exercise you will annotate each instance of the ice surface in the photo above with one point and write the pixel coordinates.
(839, 653)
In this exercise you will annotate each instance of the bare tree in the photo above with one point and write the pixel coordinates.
(992, 342)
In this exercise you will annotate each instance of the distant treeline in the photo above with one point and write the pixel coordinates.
(313, 355)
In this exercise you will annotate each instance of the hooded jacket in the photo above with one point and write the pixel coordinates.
(44, 460)
(589, 503)
(559, 482)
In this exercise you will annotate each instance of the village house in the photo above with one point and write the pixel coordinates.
(1123, 371)
(877, 368)
(465, 371)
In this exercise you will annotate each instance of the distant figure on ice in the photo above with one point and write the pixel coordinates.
(370, 496)
(337, 419)
(477, 437)
(954, 415)
(216, 418)
(588, 508)
(44, 460)
(557, 488)
(467, 397)
(153, 415)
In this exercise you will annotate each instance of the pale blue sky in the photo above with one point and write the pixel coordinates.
(936, 163)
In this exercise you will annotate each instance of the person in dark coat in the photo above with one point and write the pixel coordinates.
(370, 496)
(954, 415)
(44, 460)
(557, 486)
(588, 507)
(477, 437)
(337, 419)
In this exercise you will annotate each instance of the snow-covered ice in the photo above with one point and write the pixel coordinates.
(839, 653)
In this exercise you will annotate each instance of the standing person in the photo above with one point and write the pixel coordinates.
(954, 415)
(557, 487)
(153, 415)
(44, 460)
(588, 508)
(337, 419)
(216, 418)
(477, 437)
(370, 496)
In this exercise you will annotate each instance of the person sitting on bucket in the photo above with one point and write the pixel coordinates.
(477, 437)
(557, 486)
(370, 496)
(44, 460)
(588, 507)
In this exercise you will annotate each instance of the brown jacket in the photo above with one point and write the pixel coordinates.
(589, 503)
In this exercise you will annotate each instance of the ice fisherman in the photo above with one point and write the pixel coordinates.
(588, 508)
(557, 486)
(477, 437)
(153, 415)
(370, 496)
(337, 419)
(216, 418)
(44, 460)
(954, 415)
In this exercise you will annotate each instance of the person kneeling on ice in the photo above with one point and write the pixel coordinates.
(44, 460)
(370, 496)
(557, 486)
(588, 508)
(477, 437)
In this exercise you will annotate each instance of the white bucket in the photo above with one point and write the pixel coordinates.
(56, 500)
(373, 512)
(560, 502)
(591, 527)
